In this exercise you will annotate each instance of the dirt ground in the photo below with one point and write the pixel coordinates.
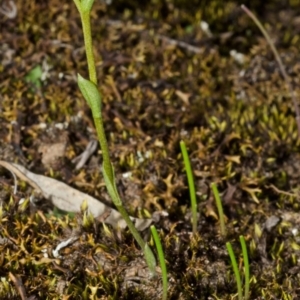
(165, 77)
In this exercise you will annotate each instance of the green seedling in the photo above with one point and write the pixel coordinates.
(236, 269)
(91, 94)
(230, 251)
(161, 261)
(246, 267)
(34, 77)
(220, 208)
(279, 61)
(191, 184)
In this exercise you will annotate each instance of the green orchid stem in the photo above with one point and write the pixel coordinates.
(78, 5)
(91, 93)
(87, 35)
(131, 226)
(104, 147)
(149, 256)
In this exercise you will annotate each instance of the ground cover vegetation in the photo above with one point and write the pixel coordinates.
(168, 71)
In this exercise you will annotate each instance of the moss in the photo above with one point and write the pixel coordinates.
(163, 80)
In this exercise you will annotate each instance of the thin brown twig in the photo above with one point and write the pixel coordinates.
(181, 44)
(18, 284)
(279, 61)
(277, 190)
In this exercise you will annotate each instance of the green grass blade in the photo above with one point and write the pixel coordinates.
(220, 208)
(235, 270)
(246, 267)
(161, 260)
(191, 184)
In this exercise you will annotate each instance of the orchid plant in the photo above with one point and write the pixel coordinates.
(90, 92)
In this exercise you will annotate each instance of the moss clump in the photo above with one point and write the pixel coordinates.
(163, 80)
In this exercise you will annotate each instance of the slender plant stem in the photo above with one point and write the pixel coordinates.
(191, 184)
(149, 256)
(87, 35)
(78, 5)
(104, 146)
(246, 267)
(133, 230)
(279, 61)
(89, 89)
(219, 207)
(161, 261)
(235, 270)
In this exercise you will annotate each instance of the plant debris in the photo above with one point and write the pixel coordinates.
(68, 199)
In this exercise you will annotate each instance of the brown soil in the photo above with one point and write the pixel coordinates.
(163, 80)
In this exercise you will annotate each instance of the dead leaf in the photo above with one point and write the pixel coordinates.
(69, 199)
(233, 158)
(252, 192)
(183, 96)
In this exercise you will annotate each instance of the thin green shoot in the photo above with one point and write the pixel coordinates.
(220, 208)
(34, 77)
(90, 92)
(161, 261)
(279, 61)
(191, 184)
(84, 8)
(246, 267)
(235, 270)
